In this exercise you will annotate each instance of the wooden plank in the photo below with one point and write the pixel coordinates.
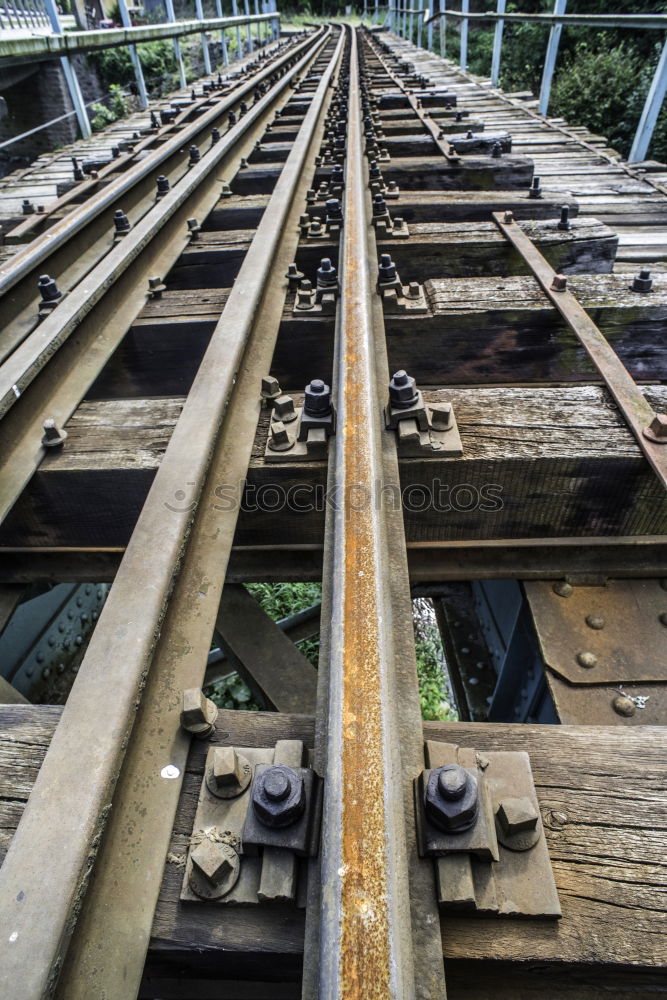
(603, 801)
(580, 474)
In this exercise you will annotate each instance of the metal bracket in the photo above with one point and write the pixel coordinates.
(478, 817)
(248, 834)
(421, 429)
(302, 438)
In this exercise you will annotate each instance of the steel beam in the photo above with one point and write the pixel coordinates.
(463, 51)
(71, 78)
(550, 59)
(134, 56)
(651, 110)
(497, 44)
(169, 8)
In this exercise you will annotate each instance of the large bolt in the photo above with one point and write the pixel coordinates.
(317, 399)
(214, 869)
(403, 390)
(163, 185)
(229, 773)
(379, 207)
(279, 439)
(195, 155)
(27, 207)
(198, 714)
(270, 388)
(496, 150)
(535, 190)
(283, 409)
(121, 222)
(657, 429)
(564, 222)
(53, 438)
(517, 815)
(278, 796)
(48, 289)
(387, 269)
(334, 210)
(326, 274)
(450, 798)
(642, 281)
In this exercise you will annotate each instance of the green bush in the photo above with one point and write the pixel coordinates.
(158, 62)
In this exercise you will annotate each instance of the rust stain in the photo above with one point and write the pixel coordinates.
(365, 950)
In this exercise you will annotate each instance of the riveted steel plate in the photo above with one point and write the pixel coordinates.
(595, 705)
(602, 635)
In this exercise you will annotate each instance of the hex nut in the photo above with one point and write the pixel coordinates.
(451, 798)
(278, 796)
(198, 714)
(228, 773)
(403, 390)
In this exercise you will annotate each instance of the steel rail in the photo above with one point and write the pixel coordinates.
(37, 253)
(431, 127)
(106, 955)
(40, 350)
(71, 798)
(633, 405)
(231, 82)
(363, 937)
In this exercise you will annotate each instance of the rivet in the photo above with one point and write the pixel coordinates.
(623, 705)
(587, 660)
(595, 621)
(562, 588)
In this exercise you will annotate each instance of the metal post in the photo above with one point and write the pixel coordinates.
(497, 44)
(134, 56)
(223, 39)
(375, 12)
(654, 99)
(429, 43)
(235, 12)
(420, 25)
(70, 76)
(405, 20)
(463, 57)
(410, 24)
(204, 40)
(259, 27)
(171, 16)
(550, 60)
(443, 27)
(251, 46)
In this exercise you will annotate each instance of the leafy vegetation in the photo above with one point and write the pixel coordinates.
(116, 108)
(280, 600)
(602, 76)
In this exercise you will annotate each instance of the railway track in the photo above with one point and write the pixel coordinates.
(354, 273)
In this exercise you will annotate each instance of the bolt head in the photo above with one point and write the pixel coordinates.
(283, 409)
(212, 862)
(559, 283)
(657, 429)
(517, 815)
(199, 713)
(229, 773)
(456, 810)
(317, 398)
(278, 796)
(270, 387)
(403, 390)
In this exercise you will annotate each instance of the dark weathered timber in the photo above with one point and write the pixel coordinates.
(603, 822)
(476, 173)
(434, 250)
(523, 474)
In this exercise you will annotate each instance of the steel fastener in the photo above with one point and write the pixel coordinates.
(317, 398)
(198, 714)
(586, 659)
(642, 282)
(214, 869)
(451, 798)
(564, 222)
(48, 289)
(279, 439)
(623, 705)
(270, 389)
(283, 409)
(562, 588)
(403, 390)
(517, 823)
(229, 774)
(559, 283)
(121, 222)
(535, 190)
(657, 429)
(53, 438)
(595, 621)
(278, 796)
(387, 269)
